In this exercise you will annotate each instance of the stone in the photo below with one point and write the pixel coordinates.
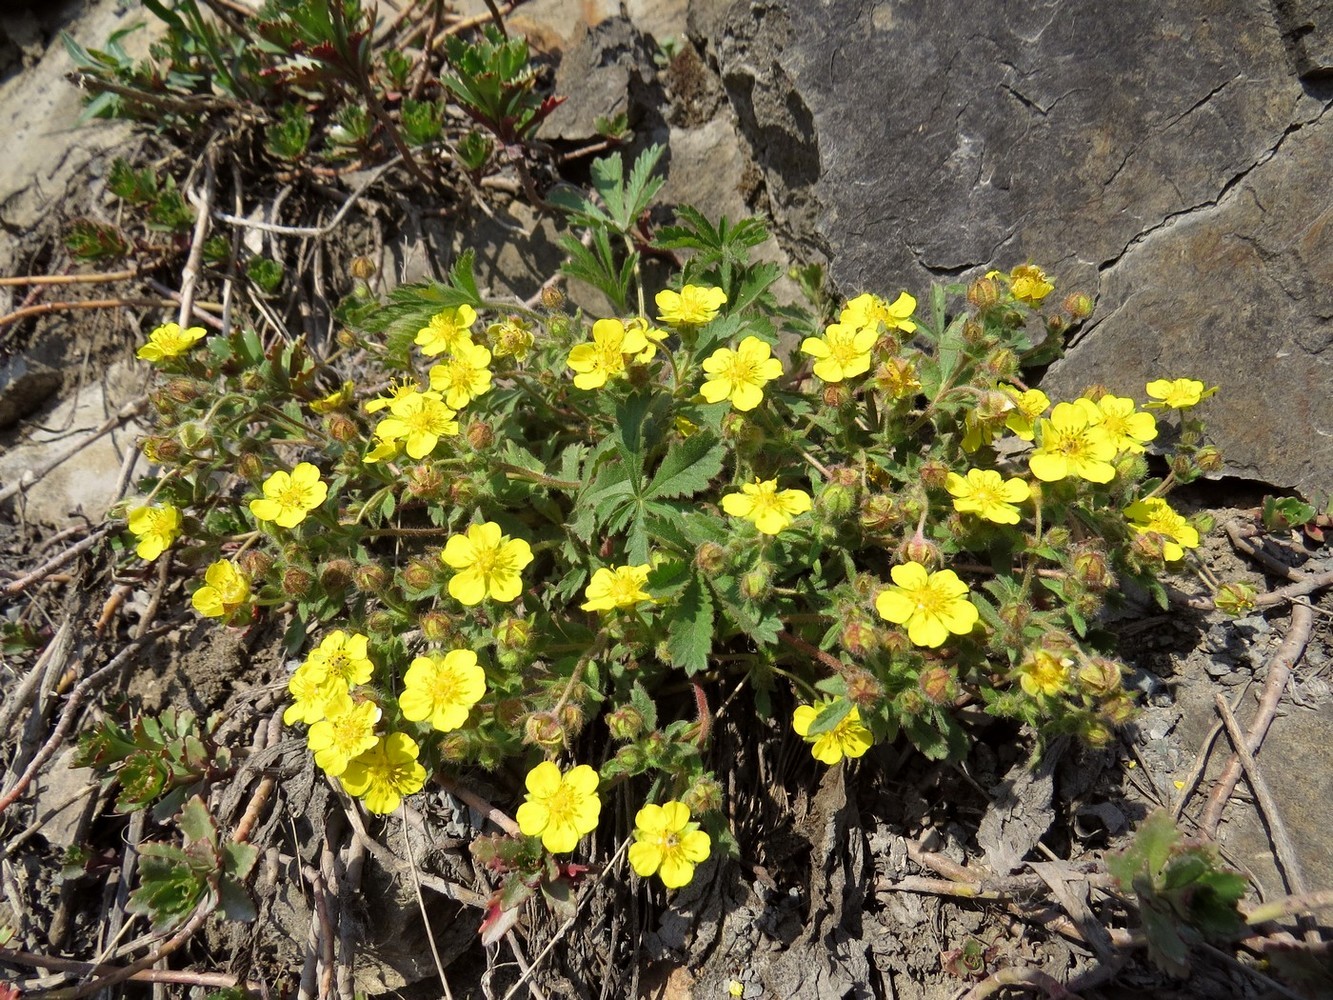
(1307, 28)
(1189, 195)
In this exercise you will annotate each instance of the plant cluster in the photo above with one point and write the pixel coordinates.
(503, 535)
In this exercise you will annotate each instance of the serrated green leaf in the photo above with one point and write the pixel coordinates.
(688, 467)
(829, 716)
(690, 628)
(196, 823)
(644, 705)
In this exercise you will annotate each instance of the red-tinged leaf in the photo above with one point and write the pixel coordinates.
(496, 923)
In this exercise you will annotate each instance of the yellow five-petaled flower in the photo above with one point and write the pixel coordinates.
(604, 358)
(693, 305)
(740, 375)
(442, 689)
(447, 331)
(156, 528)
(419, 420)
(1155, 516)
(1177, 394)
(987, 494)
(346, 731)
(849, 738)
(559, 808)
(169, 341)
(667, 844)
(289, 497)
(488, 564)
(842, 353)
(1072, 445)
(771, 510)
(931, 605)
(617, 587)
(382, 775)
(463, 377)
(225, 590)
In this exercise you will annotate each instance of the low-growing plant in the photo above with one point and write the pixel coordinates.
(502, 535)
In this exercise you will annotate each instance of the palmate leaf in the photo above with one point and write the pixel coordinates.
(688, 467)
(690, 632)
(625, 202)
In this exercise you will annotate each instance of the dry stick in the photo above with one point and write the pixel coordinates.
(1286, 852)
(70, 279)
(199, 316)
(1279, 670)
(421, 905)
(1028, 979)
(324, 230)
(475, 801)
(1306, 586)
(55, 562)
(50, 307)
(183, 977)
(71, 709)
(1320, 899)
(190, 273)
(324, 934)
(126, 413)
(23, 693)
(1191, 781)
(512, 940)
(349, 887)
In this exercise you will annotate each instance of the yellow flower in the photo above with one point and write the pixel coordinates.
(169, 341)
(511, 337)
(463, 378)
(559, 808)
(225, 589)
(311, 689)
(1030, 284)
(667, 844)
(342, 656)
(442, 689)
(335, 400)
(289, 497)
(447, 331)
(617, 587)
(156, 528)
(1127, 427)
(984, 420)
(735, 988)
(870, 310)
(419, 419)
(987, 494)
(931, 605)
(740, 375)
(1177, 394)
(843, 353)
(383, 450)
(1155, 516)
(897, 378)
(604, 358)
(397, 390)
(382, 775)
(1071, 445)
(651, 334)
(1044, 674)
(849, 738)
(693, 305)
(488, 564)
(761, 503)
(346, 731)
(1028, 406)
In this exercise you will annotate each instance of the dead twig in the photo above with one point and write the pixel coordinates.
(1026, 979)
(55, 562)
(71, 279)
(1299, 589)
(49, 307)
(475, 801)
(182, 977)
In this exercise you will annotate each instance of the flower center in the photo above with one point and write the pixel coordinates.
(561, 806)
(930, 600)
(293, 496)
(739, 370)
(444, 689)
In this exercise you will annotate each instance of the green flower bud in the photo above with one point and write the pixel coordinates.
(625, 723)
(543, 729)
(370, 578)
(437, 627)
(1235, 599)
(704, 796)
(419, 574)
(336, 574)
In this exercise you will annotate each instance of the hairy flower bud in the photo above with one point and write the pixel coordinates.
(860, 638)
(342, 427)
(346, 338)
(863, 689)
(1096, 733)
(296, 582)
(425, 481)
(254, 564)
(910, 703)
(370, 578)
(897, 378)
(1090, 568)
(193, 436)
(710, 558)
(1235, 599)
(1120, 708)
(480, 435)
(1100, 677)
(510, 713)
(419, 574)
(161, 450)
(183, 390)
(1014, 614)
(543, 729)
(249, 466)
(1208, 459)
(1079, 305)
(983, 293)
(625, 723)
(552, 297)
(362, 268)
(937, 685)
(381, 623)
(834, 501)
(757, 584)
(704, 796)
(336, 574)
(571, 719)
(934, 473)
(1002, 364)
(837, 394)
(880, 514)
(974, 334)
(513, 632)
(919, 549)
(454, 746)
(436, 626)
(252, 381)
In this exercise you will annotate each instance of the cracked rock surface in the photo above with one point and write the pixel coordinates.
(1171, 160)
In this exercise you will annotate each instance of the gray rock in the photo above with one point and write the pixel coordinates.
(1307, 28)
(1167, 159)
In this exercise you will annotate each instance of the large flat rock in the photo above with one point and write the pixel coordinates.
(1171, 159)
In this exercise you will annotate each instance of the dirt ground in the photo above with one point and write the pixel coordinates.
(853, 882)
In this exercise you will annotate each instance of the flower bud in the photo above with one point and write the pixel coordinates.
(625, 723)
(1014, 614)
(1056, 324)
(336, 574)
(1101, 677)
(370, 578)
(183, 390)
(1096, 733)
(510, 713)
(1208, 459)
(571, 719)
(860, 638)
(436, 626)
(1079, 305)
(1090, 568)
(837, 394)
(543, 729)
(480, 435)
(710, 558)
(381, 623)
(252, 381)
(631, 758)
(983, 293)
(880, 514)
(897, 378)
(704, 796)
(1119, 709)
(974, 334)
(937, 685)
(362, 268)
(513, 632)
(934, 473)
(454, 746)
(757, 584)
(161, 450)
(296, 582)
(342, 428)
(419, 574)
(834, 501)
(910, 703)
(863, 690)
(552, 297)
(1002, 364)
(249, 466)
(193, 436)
(254, 564)
(346, 338)
(462, 492)
(919, 549)
(1235, 599)
(425, 482)
(895, 643)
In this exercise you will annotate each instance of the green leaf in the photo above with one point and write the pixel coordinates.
(644, 705)
(196, 823)
(690, 628)
(688, 467)
(829, 716)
